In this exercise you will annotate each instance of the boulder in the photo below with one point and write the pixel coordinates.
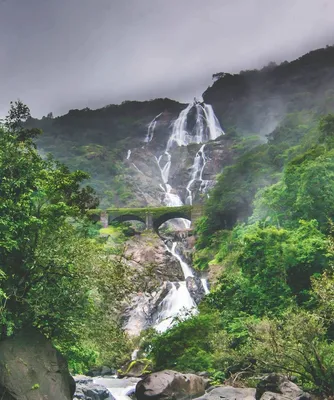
(136, 368)
(170, 385)
(195, 288)
(101, 371)
(32, 369)
(278, 384)
(274, 396)
(86, 389)
(229, 393)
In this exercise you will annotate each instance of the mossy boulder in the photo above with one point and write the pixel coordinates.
(136, 368)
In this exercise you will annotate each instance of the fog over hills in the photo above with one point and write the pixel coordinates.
(133, 50)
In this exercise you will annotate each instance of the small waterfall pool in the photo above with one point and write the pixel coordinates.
(119, 388)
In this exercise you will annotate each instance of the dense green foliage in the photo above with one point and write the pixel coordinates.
(268, 228)
(54, 274)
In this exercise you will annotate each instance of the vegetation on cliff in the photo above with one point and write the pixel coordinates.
(271, 309)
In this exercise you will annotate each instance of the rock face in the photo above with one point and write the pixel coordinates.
(86, 389)
(195, 288)
(148, 256)
(154, 267)
(275, 386)
(170, 385)
(143, 310)
(32, 369)
(229, 393)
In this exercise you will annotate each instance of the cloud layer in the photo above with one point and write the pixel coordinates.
(57, 55)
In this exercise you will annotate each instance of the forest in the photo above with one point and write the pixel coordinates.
(266, 239)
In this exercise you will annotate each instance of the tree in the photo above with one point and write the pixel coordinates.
(46, 262)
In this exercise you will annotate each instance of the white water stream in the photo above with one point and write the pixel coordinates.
(121, 389)
(150, 129)
(178, 302)
(206, 128)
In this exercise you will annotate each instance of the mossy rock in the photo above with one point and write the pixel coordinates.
(136, 368)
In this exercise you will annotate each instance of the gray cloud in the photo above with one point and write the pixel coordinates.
(62, 54)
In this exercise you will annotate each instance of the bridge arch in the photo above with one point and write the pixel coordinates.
(126, 217)
(157, 222)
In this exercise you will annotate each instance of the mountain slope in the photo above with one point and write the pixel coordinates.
(248, 105)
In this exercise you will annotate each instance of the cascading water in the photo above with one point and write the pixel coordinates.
(196, 172)
(198, 124)
(151, 128)
(205, 285)
(206, 128)
(178, 301)
(137, 169)
(120, 389)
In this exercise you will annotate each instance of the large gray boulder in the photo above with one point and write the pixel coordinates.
(229, 393)
(86, 389)
(276, 386)
(170, 385)
(32, 369)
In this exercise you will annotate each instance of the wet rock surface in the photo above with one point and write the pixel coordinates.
(32, 369)
(148, 256)
(229, 393)
(101, 371)
(280, 386)
(195, 288)
(170, 385)
(143, 309)
(86, 389)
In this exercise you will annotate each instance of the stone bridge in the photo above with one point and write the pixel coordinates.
(152, 217)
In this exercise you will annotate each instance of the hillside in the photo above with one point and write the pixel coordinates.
(248, 292)
(248, 105)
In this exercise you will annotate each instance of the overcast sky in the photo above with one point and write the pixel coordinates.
(62, 54)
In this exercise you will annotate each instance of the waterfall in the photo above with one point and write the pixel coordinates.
(151, 128)
(120, 389)
(187, 271)
(198, 124)
(205, 285)
(206, 128)
(134, 354)
(178, 302)
(128, 155)
(137, 169)
(196, 172)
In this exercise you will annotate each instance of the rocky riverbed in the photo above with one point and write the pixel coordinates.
(172, 385)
